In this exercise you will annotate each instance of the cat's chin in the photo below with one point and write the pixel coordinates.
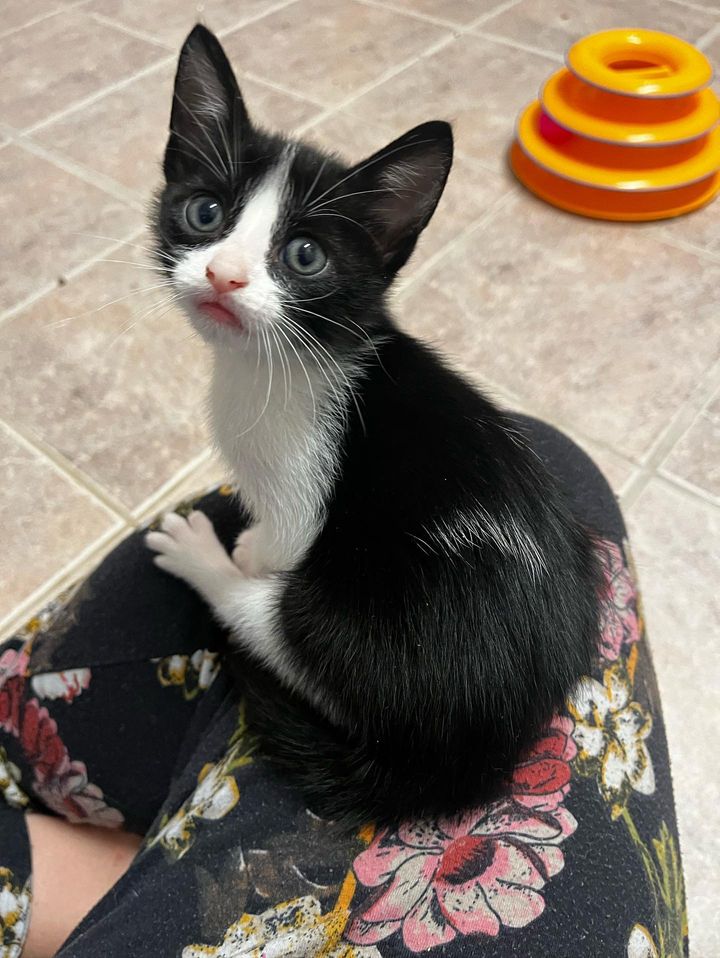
(221, 315)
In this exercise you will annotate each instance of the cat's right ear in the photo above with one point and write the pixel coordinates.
(208, 114)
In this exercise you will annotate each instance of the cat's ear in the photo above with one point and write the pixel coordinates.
(208, 113)
(401, 186)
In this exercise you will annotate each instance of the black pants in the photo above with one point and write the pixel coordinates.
(116, 708)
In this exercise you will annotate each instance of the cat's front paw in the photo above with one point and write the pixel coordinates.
(190, 550)
(246, 554)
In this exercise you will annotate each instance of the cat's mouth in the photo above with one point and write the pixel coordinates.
(219, 314)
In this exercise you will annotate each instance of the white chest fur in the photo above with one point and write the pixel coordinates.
(281, 438)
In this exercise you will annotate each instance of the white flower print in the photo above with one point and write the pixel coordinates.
(14, 911)
(293, 929)
(610, 732)
(640, 943)
(9, 782)
(61, 685)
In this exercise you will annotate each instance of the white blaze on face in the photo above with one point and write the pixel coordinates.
(243, 253)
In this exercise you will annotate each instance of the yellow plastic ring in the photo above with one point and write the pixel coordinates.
(642, 63)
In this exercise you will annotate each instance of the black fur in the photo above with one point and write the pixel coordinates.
(442, 661)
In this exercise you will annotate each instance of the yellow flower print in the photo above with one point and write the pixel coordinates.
(293, 929)
(193, 673)
(216, 794)
(610, 732)
(9, 779)
(14, 910)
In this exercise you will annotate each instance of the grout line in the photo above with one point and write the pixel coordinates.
(667, 239)
(413, 14)
(695, 6)
(690, 487)
(98, 95)
(704, 42)
(71, 273)
(156, 498)
(487, 216)
(27, 301)
(114, 247)
(69, 471)
(84, 173)
(366, 88)
(517, 45)
(680, 488)
(33, 22)
(278, 87)
(495, 12)
(673, 432)
(129, 31)
(226, 31)
(82, 564)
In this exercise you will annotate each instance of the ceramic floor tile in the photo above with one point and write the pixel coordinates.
(482, 111)
(204, 477)
(676, 542)
(17, 13)
(327, 50)
(46, 521)
(55, 218)
(117, 390)
(585, 320)
(170, 22)
(556, 26)
(123, 135)
(459, 12)
(46, 67)
(470, 189)
(696, 457)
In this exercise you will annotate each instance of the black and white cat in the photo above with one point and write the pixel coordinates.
(413, 586)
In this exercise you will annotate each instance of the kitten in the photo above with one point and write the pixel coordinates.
(414, 596)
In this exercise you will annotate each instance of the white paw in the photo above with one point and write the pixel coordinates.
(190, 550)
(245, 555)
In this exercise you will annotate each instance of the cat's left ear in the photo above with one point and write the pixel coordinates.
(401, 186)
(208, 113)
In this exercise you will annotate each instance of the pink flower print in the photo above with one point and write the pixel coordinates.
(12, 662)
(60, 783)
(620, 624)
(469, 875)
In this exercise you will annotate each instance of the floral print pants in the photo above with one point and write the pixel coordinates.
(116, 709)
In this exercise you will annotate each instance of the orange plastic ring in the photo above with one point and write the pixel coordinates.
(613, 118)
(615, 167)
(603, 204)
(642, 63)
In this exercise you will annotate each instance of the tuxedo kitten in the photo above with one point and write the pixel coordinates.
(413, 595)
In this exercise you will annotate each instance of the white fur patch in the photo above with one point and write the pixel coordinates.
(243, 251)
(280, 432)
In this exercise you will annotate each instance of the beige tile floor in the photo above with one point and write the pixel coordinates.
(609, 331)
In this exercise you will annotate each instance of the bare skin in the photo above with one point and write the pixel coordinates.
(73, 866)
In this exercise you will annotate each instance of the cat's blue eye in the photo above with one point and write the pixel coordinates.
(304, 256)
(204, 213)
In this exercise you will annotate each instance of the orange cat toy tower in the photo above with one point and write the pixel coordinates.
(629, 131)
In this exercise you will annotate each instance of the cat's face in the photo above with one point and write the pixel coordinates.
(269, 239)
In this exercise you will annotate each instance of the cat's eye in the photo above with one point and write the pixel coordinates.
(204, 213)
(304, 256)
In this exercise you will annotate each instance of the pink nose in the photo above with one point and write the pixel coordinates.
(223, 282)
